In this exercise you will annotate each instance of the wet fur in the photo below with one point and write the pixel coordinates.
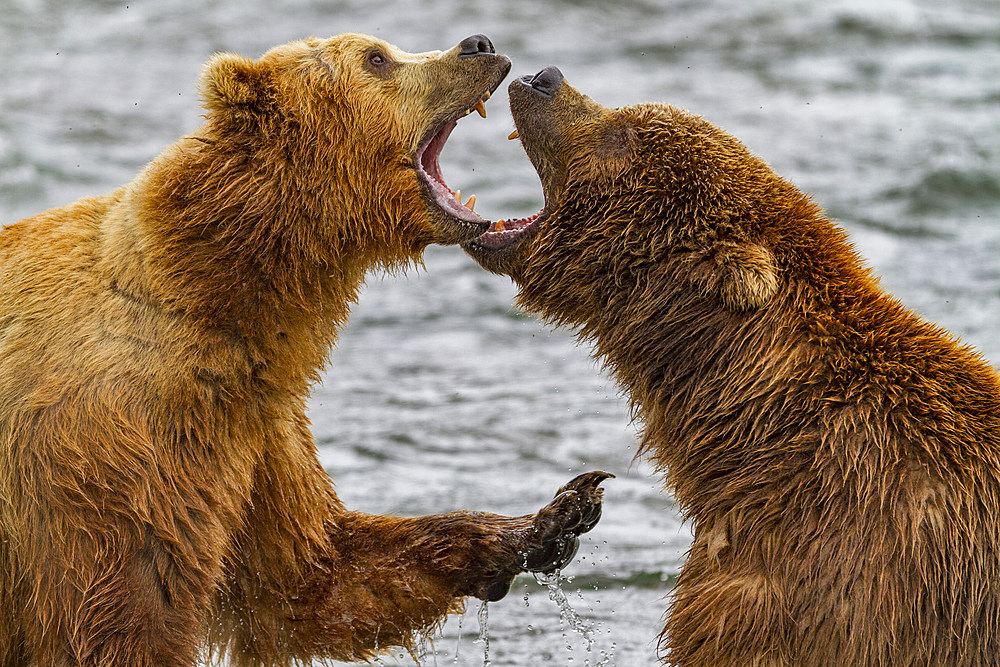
(160, 494)
(838, 456)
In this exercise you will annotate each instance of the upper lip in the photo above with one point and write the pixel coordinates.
(467, 108)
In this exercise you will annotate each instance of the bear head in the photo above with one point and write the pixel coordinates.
(350, 128)
(640, 191)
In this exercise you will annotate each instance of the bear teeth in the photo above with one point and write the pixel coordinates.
(428, 166)
(479, 107)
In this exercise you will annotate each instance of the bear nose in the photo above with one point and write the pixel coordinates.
(546, 82)
(475, 46)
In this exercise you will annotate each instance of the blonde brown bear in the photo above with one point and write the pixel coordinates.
(160, 494)
(838, 456)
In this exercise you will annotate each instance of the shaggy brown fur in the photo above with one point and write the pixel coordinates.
(160, 494)
(838, 456)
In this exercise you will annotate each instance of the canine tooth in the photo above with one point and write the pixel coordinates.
(458, 196)
(480, 107)
(471, 204)
(513, 135)
(500, 226)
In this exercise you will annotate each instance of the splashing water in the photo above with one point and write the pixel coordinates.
(376, 659)
(458, 643)
(425, 648)
(484, 632)
(570, 617)
(567, 614)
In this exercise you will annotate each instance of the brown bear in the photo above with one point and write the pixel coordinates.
(838, 456)
(161, 500)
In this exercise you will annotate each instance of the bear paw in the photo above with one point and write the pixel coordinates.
(552, 539)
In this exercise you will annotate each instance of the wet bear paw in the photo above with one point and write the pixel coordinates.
(551, 540)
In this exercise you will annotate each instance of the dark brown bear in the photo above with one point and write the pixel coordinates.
(838, 456)
(160, 494)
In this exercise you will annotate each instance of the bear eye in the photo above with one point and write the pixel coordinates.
(376, 58)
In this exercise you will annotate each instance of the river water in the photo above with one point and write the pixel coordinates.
(439, 395)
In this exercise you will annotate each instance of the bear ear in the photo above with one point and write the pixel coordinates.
(609, 151)
(232, 81)
(741, 275)
(617, 141)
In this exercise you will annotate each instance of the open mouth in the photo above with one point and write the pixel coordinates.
(504, 233)
(429, 168)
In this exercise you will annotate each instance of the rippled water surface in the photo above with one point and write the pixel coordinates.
(439, 395)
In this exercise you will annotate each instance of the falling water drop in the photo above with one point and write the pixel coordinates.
(423, 649)
(569, 616)
(484, 632)
(566, 611)
(458, 644)
(376, 658)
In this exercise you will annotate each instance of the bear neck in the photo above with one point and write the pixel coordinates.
(208, 234)
(708, 384)
(732, 402)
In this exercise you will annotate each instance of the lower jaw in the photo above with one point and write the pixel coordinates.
(502, 261)
(450, 230)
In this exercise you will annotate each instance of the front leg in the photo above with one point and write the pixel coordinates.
(382, 579)
(479, 554)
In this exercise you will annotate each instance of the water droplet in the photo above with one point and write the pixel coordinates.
(484, 632)
(458, 644)
(567, 615)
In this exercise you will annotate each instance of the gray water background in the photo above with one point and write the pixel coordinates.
(439, 395)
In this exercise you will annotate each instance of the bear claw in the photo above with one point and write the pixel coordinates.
(548, 540)
(575, 509)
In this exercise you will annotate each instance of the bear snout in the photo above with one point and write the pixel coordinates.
(476, 45)
(546, 82)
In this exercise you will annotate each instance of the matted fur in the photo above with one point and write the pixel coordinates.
(160, 493)
(838, 456)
